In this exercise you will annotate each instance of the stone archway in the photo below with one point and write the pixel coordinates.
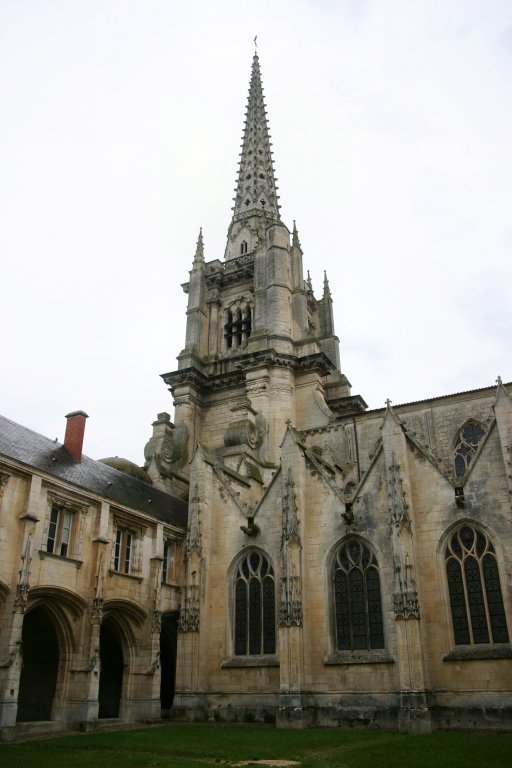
(168, 644)
(38, 681)
(112, 669)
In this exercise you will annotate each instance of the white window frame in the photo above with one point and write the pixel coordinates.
(123, 551)
(60, 530)
(64, 527)
(127, 545)
(169, 561)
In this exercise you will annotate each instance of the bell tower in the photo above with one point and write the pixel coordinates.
(260, 364)
(260, 349)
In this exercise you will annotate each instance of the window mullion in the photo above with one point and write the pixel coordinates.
(486, 605)
(466, 599)
(366, 611)
(350, 610)
(248, 617)
(262, 625)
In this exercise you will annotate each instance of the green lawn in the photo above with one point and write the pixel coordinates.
(197, 746)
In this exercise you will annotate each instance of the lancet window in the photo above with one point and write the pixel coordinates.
(476, 601)
(357, 599)
(254, 619)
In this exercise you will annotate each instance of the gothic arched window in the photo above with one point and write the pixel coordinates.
(357, 601)
(228, 329)
(243, 247)
(255, 613)
(465, 445)
(247, 322)
(476, 601)
(237, 327)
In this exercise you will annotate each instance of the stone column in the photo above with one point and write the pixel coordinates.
(213, 327)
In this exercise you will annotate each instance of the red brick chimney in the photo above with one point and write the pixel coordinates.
(75, 429)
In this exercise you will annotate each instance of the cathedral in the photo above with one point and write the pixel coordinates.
(285, 555)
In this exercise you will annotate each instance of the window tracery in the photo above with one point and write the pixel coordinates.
(357, 598)
(476, 600)
(255, 620)
(466, 442)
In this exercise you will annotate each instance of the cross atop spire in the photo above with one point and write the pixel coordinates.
(256, 191)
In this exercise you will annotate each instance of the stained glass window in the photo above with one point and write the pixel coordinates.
(255, 620)
(476, 601)
(357, 600)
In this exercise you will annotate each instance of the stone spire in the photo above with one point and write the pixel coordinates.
(199, 254)
(295, 236)
(327, 290)
(256, 189)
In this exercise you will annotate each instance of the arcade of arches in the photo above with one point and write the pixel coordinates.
(49, 677)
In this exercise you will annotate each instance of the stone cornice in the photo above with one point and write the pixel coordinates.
(267, 358)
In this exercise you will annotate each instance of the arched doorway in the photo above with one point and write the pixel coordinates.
(38, 680)
(168, 643)
(112, 669)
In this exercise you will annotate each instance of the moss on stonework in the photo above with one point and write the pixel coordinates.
(128, 467)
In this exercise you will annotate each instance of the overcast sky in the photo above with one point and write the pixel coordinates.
(119, 137)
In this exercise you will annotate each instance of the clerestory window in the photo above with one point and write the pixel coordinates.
(255, 619)
(357, 598)
(476, 601)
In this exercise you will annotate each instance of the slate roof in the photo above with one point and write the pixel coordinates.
(39, 452)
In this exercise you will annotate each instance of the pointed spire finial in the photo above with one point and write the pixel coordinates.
(295, 236)
(256, 190)
(255, 45)
(308, 282)
(327, 290)
(199, 255)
